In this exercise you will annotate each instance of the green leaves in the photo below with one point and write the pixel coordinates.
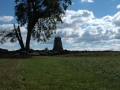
(30, 10)
(44, 29)
(20, 13)
(5, 35)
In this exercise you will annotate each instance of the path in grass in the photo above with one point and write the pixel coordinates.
(60, 73)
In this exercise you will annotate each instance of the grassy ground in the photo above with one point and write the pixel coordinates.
(60, 73)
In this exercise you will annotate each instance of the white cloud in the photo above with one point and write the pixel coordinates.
(118, 6)
(90, 1)
(6, 18)
(116, 19)
(6, 26)
(81, 30)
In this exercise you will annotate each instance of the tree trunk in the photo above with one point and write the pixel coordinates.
(19, 37)
(21, 44)
(31, 25)
(21, 40)
(28, 41)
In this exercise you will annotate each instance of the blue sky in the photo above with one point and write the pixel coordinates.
(88, 25)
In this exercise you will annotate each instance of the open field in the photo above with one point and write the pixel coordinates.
(60, 73)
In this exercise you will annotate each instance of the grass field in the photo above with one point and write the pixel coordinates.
(60, 73)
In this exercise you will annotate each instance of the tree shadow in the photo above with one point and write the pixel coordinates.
(14, 56)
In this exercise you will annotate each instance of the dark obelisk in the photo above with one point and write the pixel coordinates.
(57, 44)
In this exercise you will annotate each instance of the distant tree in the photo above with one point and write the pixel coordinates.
(40, 17)
(46, 49)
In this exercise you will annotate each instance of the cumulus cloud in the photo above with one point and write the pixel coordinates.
(90, 1)
(118, 6)
(116, 19)
(81, 30)
(6, 26)
(6, 18)
(10, 27)
(74, 19)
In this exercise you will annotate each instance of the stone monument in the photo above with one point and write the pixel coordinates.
(57, 44)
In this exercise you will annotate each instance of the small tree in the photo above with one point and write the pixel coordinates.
(46, 49)
(40, 16)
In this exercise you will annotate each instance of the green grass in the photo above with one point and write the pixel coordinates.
(60, 73)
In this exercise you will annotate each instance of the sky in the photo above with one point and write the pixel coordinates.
(92, 25)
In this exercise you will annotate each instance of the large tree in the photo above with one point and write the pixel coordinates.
(41, 18)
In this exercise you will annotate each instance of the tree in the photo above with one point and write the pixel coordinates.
(41, 18)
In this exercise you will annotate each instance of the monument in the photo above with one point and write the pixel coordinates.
(57, 44)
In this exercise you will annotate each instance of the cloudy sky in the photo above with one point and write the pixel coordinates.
(88, 25)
